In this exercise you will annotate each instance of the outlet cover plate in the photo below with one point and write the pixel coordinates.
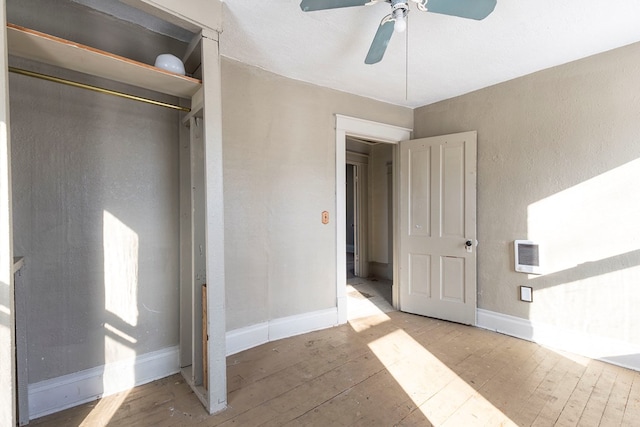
(526, 293)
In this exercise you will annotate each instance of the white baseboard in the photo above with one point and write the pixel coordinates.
(302, 323)
(254, 335)
(248, 337)
(57, 394)
(381, 270)
(606, 349)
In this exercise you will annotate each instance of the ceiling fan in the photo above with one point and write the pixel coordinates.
(396, 20)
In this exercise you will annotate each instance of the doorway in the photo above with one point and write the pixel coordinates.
(350, 225)
(369, 217)
(357, 208)
(367, 131)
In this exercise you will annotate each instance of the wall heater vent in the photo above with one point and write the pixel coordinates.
(527, 256)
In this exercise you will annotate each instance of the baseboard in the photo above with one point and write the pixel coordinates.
(606, 349)
(381, 270)
(254, 335)
(57, 394)
(248, 337)
(302, 323)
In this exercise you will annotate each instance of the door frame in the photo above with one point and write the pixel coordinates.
(360, 163)
(8, 392)
(373, 131)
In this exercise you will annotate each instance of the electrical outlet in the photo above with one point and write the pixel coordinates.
(526, 293)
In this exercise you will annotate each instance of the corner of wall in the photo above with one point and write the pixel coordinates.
(595, 347)
(56, 394)
(252, 336)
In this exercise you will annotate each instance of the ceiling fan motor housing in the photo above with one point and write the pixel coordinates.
(400, 5)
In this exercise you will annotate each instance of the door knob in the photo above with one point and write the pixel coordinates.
(468, 245)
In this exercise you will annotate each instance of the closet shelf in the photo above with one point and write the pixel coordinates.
(37, 46)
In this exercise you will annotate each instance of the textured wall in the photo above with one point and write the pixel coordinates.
(279, 166)
(558, 161)
(95, 184)
(96, 217)
(381, 155)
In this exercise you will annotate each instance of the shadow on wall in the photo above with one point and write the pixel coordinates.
(590, 257)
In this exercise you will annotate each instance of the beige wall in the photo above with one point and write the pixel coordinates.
(95, 185)
(558, 162)
(95, 191)
(279, 175)
(380, 237)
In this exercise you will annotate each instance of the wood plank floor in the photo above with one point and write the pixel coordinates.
(386, 368)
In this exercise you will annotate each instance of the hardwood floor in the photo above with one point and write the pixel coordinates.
(385, 369)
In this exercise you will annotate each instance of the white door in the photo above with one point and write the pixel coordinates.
(438, 227)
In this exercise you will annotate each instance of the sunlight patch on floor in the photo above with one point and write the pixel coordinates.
(442, 396)
(364, 310)
(104, 410)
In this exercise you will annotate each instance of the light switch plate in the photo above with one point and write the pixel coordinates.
(325, 217)
(526, 294)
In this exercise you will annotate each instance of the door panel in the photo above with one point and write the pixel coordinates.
(437, 217)
(453, 190)
(420, 270)
(420, 191)
(452, 283)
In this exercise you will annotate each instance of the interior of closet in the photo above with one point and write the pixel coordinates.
(111, 216)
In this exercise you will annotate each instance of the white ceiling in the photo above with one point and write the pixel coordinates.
(447, 56)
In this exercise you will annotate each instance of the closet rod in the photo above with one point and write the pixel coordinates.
(97, 89)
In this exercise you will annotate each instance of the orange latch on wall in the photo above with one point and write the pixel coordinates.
(325, 217)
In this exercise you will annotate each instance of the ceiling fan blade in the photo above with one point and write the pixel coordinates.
(472, 9)
(311, 5)
(380, 41)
